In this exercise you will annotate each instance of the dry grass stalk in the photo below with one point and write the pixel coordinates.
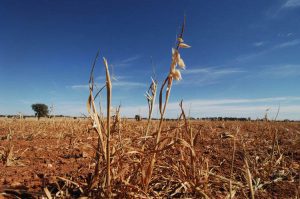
(231, 192)
(150, 96)
(70, 182)
(103, 139)
(275, 140)
(248, 175)
(225, 179)
(47, 192)
(117, 126)
(8, 156)
(173, 74)
(108, 95)
(97, 126)
(192, 140)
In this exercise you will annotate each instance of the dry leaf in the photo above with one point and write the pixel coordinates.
(181, 63)
(183, 45)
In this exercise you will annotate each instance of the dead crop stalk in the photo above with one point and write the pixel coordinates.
(97, 121)
(173, 74)
(150, 96)
(232, 163)
(192, 138)
(248, 174)
(108, 89)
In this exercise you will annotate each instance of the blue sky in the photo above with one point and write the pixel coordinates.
(244, 57)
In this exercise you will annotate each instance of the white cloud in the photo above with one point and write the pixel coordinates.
(258, 44)
(126, 62)
(251, 56)
(282, 71)
(207, 75)
(214, 71)
(128, 84)
(196, 71)
(277, 10)
(288, 44)
(130, 59)
(83, 86)
(114, 77)
(291, 4)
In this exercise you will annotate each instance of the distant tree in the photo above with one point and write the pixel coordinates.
(41, 110)
(138, 118)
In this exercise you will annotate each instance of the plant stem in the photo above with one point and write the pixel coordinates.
(108, 89)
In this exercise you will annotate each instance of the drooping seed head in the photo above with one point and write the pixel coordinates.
(176, 74)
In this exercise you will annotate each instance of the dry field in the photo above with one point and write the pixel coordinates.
(197, 159)
(110, 157)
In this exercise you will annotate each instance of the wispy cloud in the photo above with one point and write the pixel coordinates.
(207, 75)
(281, 71)
(258, 44)
(250, 56)
(280, 8)
(289, 34)
(214, 71)
(79, 86)
(288, 44)
(126, 62)
(114, 77)
(128, 84)
(291, 4)
(130, 59)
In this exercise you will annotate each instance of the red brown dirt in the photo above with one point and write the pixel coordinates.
(42, 151)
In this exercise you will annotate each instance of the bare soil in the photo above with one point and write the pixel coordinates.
(59, 154)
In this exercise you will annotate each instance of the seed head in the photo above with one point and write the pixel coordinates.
(176, 74)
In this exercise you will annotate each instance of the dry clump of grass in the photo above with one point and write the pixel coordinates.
(103, 153)
(6, 155)
(105, 150)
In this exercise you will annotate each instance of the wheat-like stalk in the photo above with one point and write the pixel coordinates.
(103, 147)
(248, 174)
(109, 96)
(97, 126)
(150, 96)
(231, 192)
(173, 74)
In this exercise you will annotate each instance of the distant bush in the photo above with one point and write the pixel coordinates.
(137, 117)
(41, 110)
